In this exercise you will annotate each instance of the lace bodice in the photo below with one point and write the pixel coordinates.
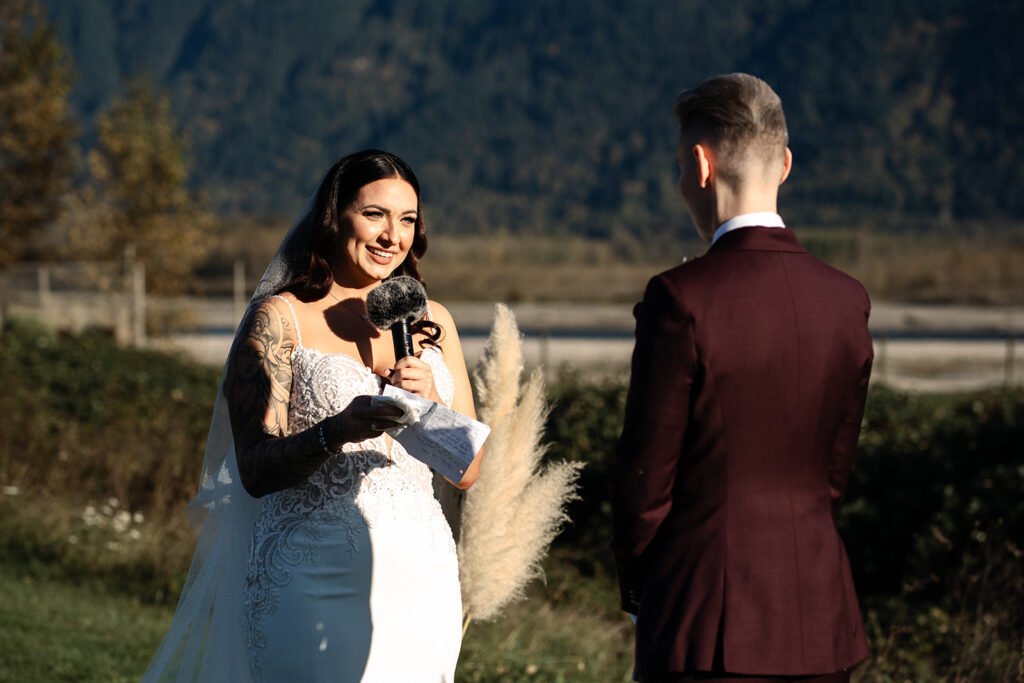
(324, 384)
(368, 475)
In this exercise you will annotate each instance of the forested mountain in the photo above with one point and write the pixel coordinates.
(554, 116)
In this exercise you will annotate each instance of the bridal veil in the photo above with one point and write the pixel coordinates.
(207, 640)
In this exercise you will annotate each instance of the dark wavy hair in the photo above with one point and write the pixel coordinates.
(337, 190)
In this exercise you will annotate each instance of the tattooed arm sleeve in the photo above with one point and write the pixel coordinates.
(258, 387)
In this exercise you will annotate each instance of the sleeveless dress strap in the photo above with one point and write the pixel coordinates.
(295, 320)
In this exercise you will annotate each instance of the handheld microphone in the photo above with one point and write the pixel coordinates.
(394, 304)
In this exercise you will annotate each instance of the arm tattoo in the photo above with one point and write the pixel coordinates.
(258, 387)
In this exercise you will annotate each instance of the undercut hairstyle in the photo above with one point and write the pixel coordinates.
(740, 116)
(337, 190)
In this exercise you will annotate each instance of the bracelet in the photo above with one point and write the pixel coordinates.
(323, 441)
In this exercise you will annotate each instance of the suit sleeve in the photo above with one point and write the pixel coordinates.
(657, 412)
(849, 430)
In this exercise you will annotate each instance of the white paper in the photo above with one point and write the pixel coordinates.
(443, 439)
(411, 409)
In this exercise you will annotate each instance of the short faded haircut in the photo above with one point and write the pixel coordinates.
(740, 116)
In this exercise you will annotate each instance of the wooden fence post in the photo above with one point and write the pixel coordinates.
(883, 342)
(4, 303)
(1009, 369)
(240, 298)
(138, 272)
(45, 294)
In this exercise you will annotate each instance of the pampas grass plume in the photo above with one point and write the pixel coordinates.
(516, 507)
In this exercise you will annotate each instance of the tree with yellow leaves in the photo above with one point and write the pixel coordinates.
(36, 128)
(137, 197)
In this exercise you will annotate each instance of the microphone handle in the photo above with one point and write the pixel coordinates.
(402, 338)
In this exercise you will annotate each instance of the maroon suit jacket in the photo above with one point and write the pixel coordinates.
(748, 384)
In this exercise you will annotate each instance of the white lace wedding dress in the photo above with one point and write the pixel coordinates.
(353, 574)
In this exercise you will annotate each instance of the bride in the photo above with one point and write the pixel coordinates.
(323, 554)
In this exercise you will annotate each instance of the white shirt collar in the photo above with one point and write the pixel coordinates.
(764, 219)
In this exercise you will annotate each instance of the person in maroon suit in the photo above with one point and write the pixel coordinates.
(748, 384)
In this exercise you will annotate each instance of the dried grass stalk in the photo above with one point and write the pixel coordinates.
(516, 507)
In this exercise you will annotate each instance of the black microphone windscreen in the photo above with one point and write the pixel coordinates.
(396, 299)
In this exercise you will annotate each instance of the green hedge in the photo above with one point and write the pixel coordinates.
(933, 521)
(933, 475)
(937, 477)
(933, 518)
(87, 419)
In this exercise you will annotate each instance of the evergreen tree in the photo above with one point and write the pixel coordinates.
(556, 116)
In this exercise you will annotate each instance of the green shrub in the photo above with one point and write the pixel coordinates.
(933, 518)
(88, 420)
(583, 426)
(936, 478)
(933, 521)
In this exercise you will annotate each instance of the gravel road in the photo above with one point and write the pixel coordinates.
(918, 347)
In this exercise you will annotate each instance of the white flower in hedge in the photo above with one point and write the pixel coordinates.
(135, 534)
(89, 516)
(122, 520)
(138, 518)
(11, 490)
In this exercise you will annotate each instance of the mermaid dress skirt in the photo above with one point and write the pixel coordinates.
(353, 574)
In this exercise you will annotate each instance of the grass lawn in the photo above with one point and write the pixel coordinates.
(55, 631)
(51, 631)
(568, 629)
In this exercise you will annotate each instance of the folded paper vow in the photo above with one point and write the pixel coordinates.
(441, 438)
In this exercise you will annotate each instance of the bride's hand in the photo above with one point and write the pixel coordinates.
(415, 376)
(359, 421)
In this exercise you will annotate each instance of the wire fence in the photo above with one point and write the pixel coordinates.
(71, 296)
(927, 348)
